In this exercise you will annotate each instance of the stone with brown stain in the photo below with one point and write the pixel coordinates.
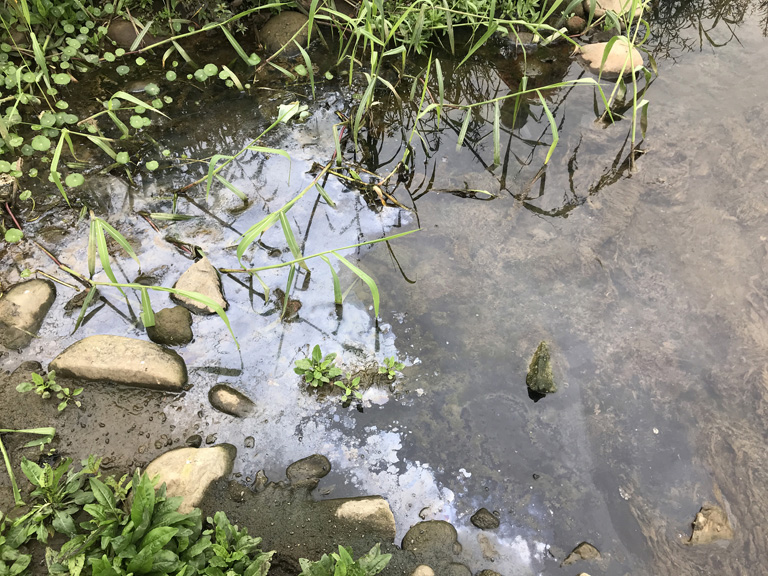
(620, 60)
(711, 524)
(22, 311)
(584, 551)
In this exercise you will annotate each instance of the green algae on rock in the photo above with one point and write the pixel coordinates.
(539, 378)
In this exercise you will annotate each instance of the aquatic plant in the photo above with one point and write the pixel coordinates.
(317, 369)
(391, 367)
(350, 388)
(45, 434)
(46, 387)
(342, 562)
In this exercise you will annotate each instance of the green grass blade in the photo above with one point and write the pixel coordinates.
(92, 247)
(55, 165)
(440, 90)
(120, 239)
(449, 26)
(101, 248)
(291, 240)
(291, 274)
(308, 64)
(365, 278)
(337, 298)
(232, 76)
(254, 232)
(16, 492)
(324, 194)
(147, 316)
(203, 300)
(84, 307)
(137, 42)
(337, 143)
(266, 150)
(363, 107)
(171, 217)
(232, 188)
(133, 100)
(488, 33)
(236, 46)
(104, 145)
(552, 124)
(119, 123)
(463, 131)
(496, 133)
(183, 52)
(212, 169)
(282, 70)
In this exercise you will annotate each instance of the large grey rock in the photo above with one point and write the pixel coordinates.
(583, 551)
(123, 33)
(22, 311)
(711, 523)
(173, 327)
(122, 360)
(620, 61)
(280, 29)
(617, 6)
(539, 377)
(204, 279)
(188, 472)
(484, 520)
(308, 470)
(230, 401)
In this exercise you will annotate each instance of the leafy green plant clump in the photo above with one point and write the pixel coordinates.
(318, 369)
(342, 564)
(46, 387)
(391, 367)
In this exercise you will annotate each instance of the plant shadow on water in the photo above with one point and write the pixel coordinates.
(661, 361)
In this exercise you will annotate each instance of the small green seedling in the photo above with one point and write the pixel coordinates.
(351, 388)
(391, 367)
(46, 387)
(317, 370)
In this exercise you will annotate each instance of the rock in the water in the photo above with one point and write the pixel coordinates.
(575, 24)
(617, 6)
(204, 279)
(539, 378)
(22, 310)
(123, 361)
(584, 551)
(173, 327)
(124, 34)
(230, 401)
(620, 60)
(488, 573)
(711, 523)
(187, 472)
(194, 441)
(433, 537)
(371, 514)
(423, 570)
(309, 469)
(484, 520)
(280, 29)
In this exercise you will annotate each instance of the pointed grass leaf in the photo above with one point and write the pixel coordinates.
(84, 307)
(182, 52)
(365, 278)
(120, 239)
(463, 131)
(137, 42)
(147, 316)
(496, 133)
(291, 274)
(440, 90)
(308, 64)
(324, 194)
(232, 188)
(552, 124)
(55, 165)
(236, 45)
(291, 240)
(103, 143)
(488, 33)
(171, 217)
(94, 229)
(213, 169)
(336, 283)
(254, 232)
(232, 76)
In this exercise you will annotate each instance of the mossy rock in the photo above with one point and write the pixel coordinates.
(540, 378)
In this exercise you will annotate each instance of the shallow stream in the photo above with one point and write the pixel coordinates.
(646, 280)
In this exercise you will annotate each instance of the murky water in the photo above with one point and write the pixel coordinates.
(649, 284)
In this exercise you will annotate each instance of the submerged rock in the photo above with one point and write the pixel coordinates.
(173, 327)
(188, 472)
(371, 514)
(539, 378)
(432, 538)
(619, 7)
(423, 570)
(204, 279)
(308, 470)
(279, 30)
(22, 310)
(230, 401)
(488, 573)
(122, 360)
(711, 523)
(484, 520)
(584, 551)
(123, 33)
(620, 61)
